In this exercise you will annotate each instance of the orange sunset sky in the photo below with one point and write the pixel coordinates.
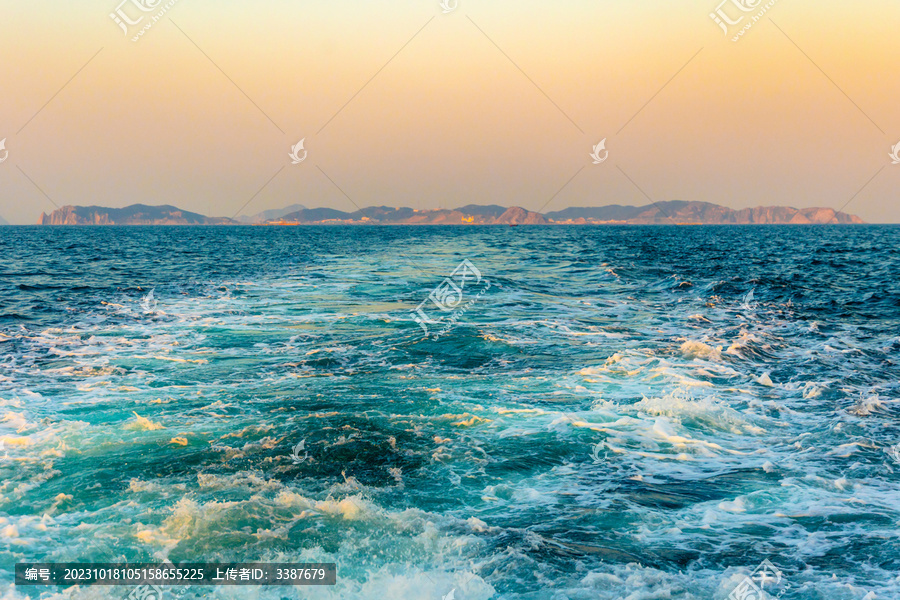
(493, 102)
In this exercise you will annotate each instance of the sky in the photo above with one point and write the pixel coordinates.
(411, 103)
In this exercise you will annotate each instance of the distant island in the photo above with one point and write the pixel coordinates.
(661, 213)
(136, 214)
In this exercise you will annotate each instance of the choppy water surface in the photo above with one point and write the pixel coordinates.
(616, 417)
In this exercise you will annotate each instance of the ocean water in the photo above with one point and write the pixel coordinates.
(633, 413)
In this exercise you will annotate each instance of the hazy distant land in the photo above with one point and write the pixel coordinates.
(662, 213)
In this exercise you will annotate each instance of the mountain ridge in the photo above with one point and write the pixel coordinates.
(679, 212)
(136, 214)
(269, 215)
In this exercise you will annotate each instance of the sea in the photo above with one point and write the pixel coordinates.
(456, 413)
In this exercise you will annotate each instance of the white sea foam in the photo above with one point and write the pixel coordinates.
(681, 407)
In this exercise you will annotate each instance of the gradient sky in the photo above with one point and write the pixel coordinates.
(804, 115)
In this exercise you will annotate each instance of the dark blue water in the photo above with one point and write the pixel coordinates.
(594, 413)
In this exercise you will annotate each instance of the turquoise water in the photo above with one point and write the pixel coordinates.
(621, 412)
